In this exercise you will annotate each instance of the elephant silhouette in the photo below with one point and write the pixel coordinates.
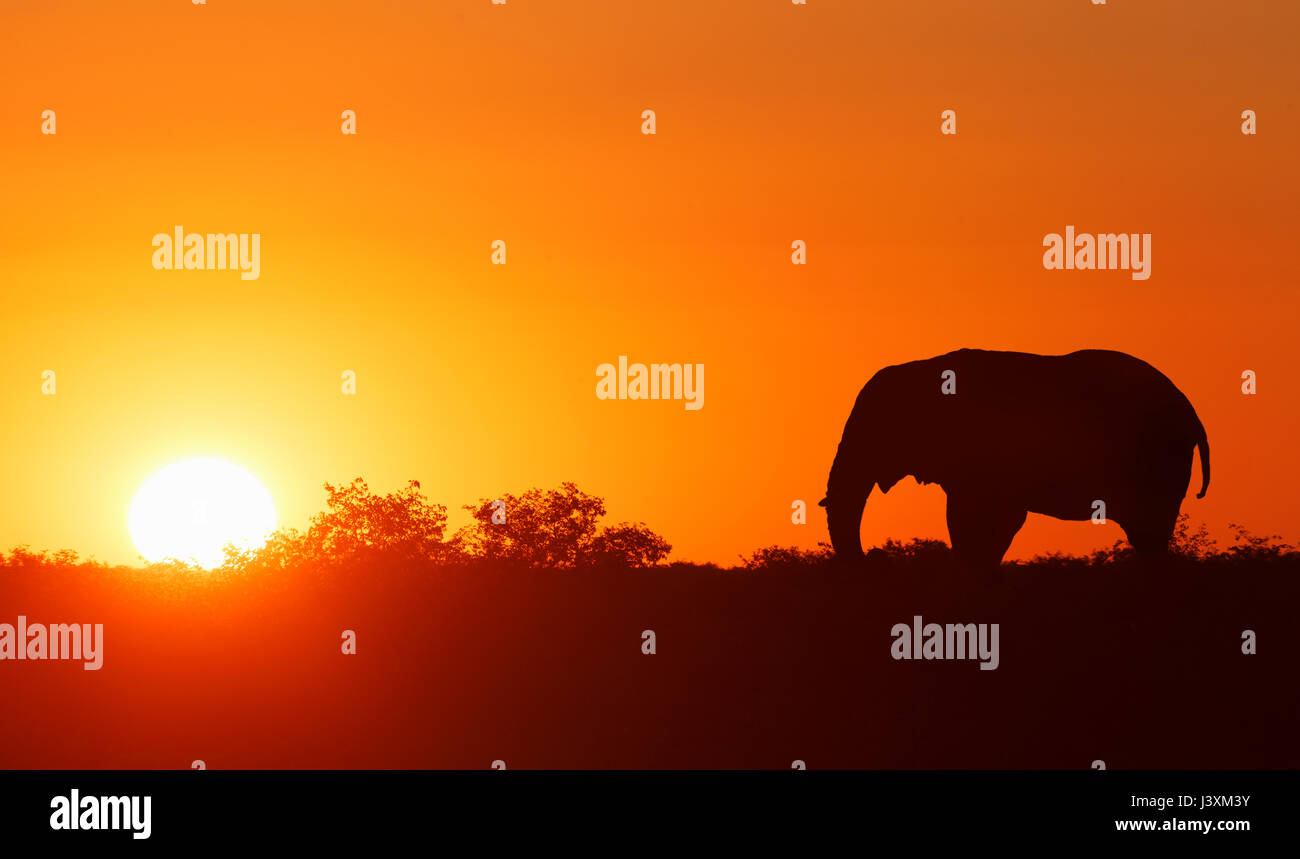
(1010, 433)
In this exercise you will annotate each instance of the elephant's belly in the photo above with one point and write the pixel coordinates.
(1113, 490)
(1069, 486)
(1099, 473)
(1071, 510)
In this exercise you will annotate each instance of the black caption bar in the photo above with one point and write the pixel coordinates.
(621, 810)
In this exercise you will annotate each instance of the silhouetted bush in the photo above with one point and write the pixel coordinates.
(401, 525)
(1247, 546)
(23, 556)
(556, 529)
(559, 529)
(628, 544)
(1191, 544)
(540, 529)
(771, 557)
(916, 549)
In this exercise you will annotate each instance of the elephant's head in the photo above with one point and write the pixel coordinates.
(884, 441)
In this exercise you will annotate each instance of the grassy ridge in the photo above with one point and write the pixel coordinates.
(784, 657)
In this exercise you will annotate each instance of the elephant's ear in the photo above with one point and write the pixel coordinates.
(821, 503)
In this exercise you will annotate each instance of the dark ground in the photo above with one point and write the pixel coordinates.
(460, 666)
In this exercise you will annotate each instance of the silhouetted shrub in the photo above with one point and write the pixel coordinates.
(357, 522)
(401, 523)
(771, 557)
(23, 556)
(628, 545)
(540, 529)
(916, 549)
(1247, 546)
(1196, 544)
(559, 529)
(555, 529)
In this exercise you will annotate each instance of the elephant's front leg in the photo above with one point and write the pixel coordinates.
(981, 528)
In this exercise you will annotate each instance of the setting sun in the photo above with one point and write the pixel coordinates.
(190, 510)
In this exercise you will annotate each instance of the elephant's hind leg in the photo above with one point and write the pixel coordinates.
(981, 529)
(1150, 530)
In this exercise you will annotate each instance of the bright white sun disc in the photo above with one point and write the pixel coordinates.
(191, 509)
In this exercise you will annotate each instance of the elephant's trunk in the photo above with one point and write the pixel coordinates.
(1203, 447)
(844, 519)
(850, 482)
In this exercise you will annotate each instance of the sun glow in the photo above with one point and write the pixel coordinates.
(190, 510)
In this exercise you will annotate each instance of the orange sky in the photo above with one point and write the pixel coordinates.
(522, 122)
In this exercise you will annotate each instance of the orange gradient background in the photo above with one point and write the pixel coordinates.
(522, 122)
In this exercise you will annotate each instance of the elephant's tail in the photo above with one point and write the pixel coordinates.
(1203, 448)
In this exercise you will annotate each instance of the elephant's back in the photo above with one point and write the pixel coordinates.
(1126, 386)
(1105, 377)
(1090, 398)
(1118, 366)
